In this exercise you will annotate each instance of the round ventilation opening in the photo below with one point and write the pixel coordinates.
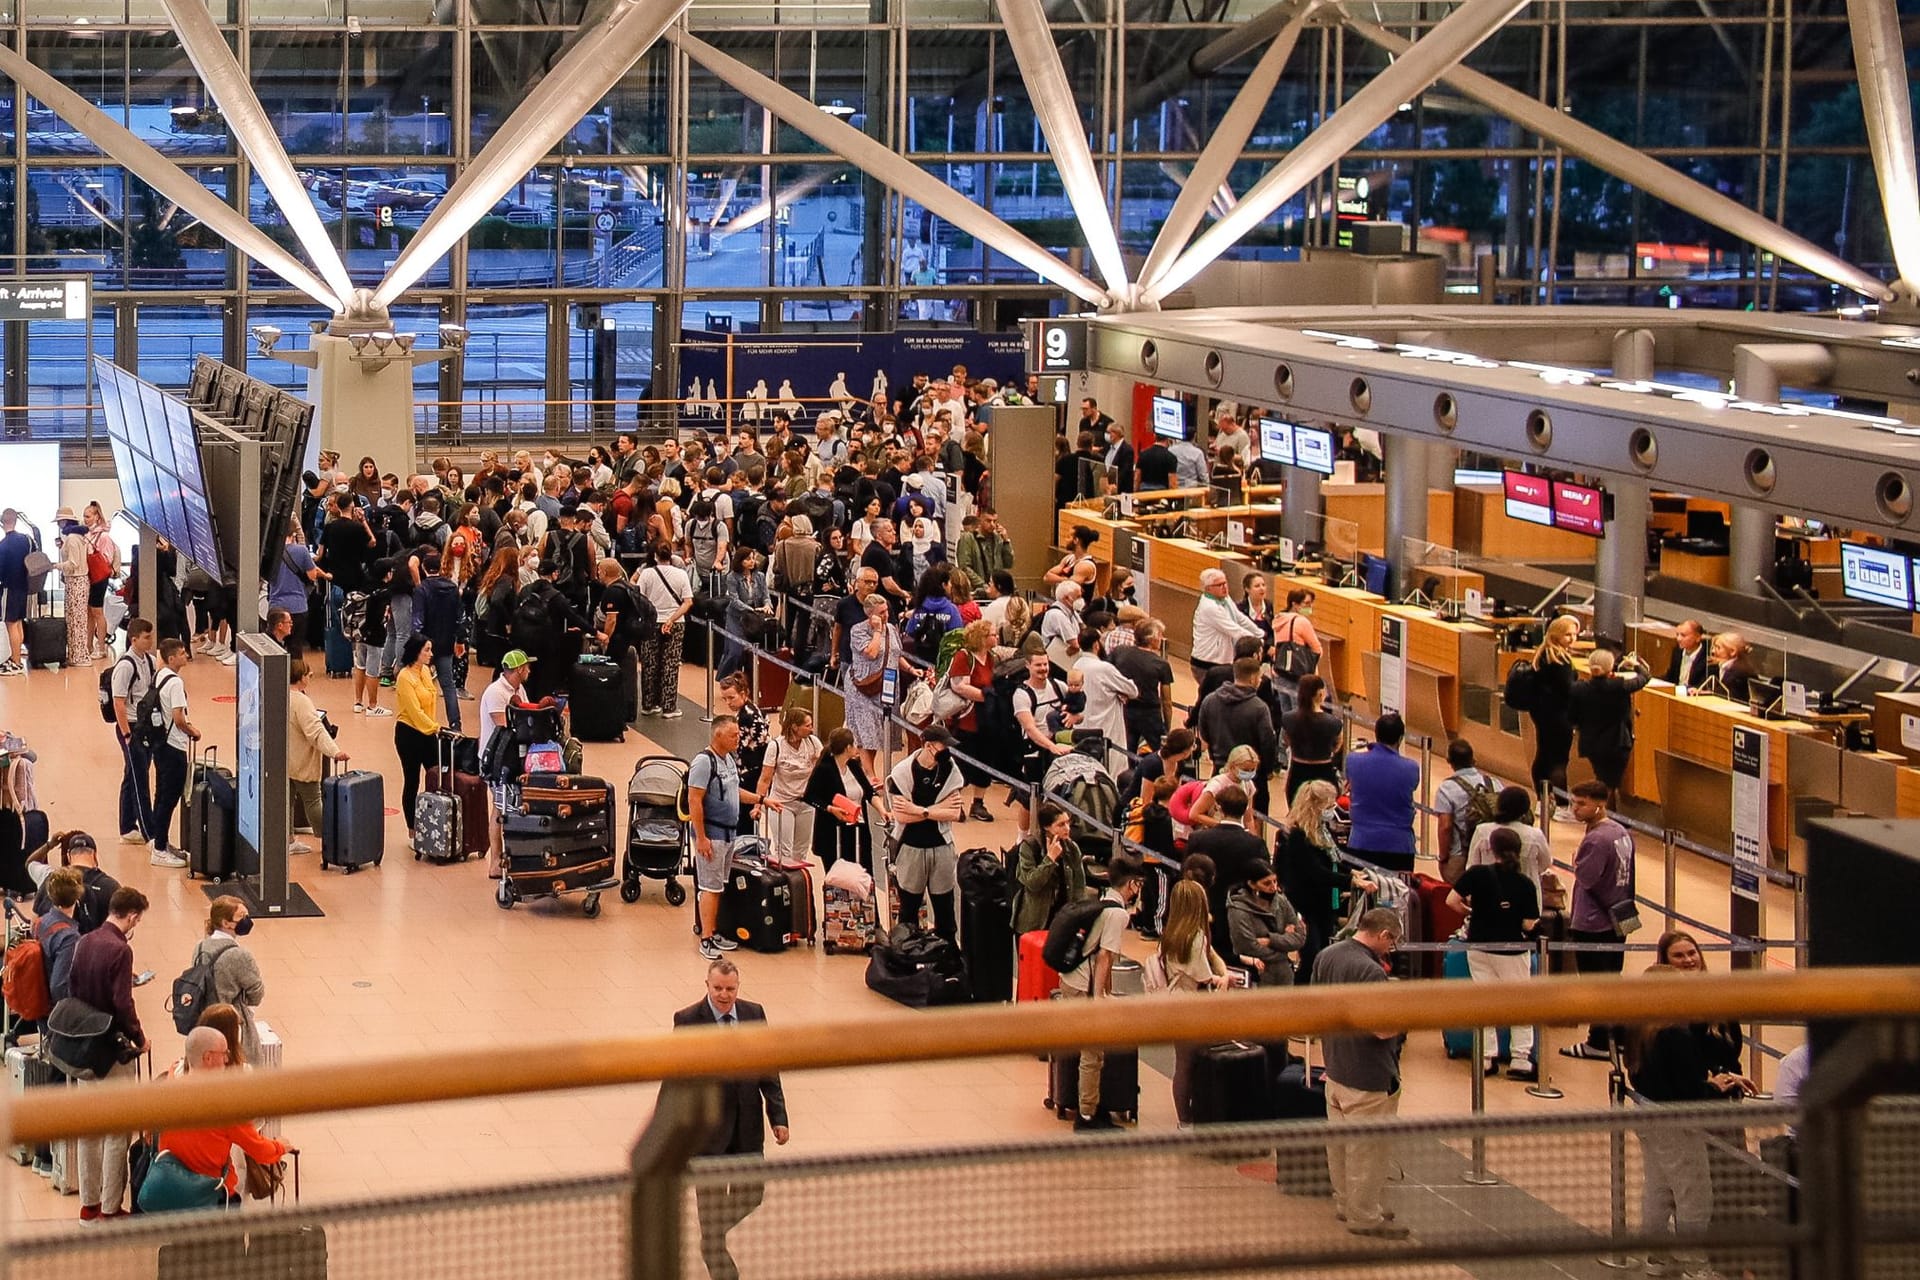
(1894, 496)
(1643, 448)
(1283, 381)
(1446, 412)
(1150, 356)
(1216, 368)
(1760, 473)
(1360, 395)
(1540, 430)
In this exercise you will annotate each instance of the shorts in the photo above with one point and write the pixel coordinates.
(499, 790)
(16, 605)
(710, 874)
(367, 657)
(97, 593)
(919, 870)
(1034, 768)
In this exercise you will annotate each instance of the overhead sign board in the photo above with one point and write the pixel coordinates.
(1057, 346)
(43, 299)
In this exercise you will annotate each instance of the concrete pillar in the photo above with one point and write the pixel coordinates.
(361, 412)
(1410, 466)
(1302, 507)
(1751, 547)
(1620, 573)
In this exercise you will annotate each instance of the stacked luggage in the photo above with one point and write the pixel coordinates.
(986, 925)
(558, 838)
(211, 833)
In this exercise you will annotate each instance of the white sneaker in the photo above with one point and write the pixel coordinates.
(132, 837)
(379, 711)
(227, 658)
(299, 847)
(359, 709)
(162, 858)
(1564, 814)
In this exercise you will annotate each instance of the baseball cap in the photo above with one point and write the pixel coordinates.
(514, 660)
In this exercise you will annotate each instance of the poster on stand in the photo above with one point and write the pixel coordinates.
(1393, 665)
(1749, 811)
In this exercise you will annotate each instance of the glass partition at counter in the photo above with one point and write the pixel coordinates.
(1333, 545)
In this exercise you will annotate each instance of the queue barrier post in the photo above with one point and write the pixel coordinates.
(1617, 1160)
(1543, 1054)
(1477, 1175)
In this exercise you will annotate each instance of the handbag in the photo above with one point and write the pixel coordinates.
(1626, 917)
(916, 705)
(265, 1180)
(871, 685)
(947, 702)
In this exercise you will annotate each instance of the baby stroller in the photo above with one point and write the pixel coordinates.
(656, 838)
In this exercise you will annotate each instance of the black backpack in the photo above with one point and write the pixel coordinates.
(638, 617)
(918, 969)
(149, 723)
(925, 631)
(193, 990)
(106, 689)
(532, 618)
(1066, 946)
(747, 506)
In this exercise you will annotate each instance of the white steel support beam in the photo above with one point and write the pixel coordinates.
(1217, 158)
(206, 47)
(166, 177)
(880, 163)
(1880, 65)
(1657, 179)
(1051, 94)
(544, 116)
(1457, 35)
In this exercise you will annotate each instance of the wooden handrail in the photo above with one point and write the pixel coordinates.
(973, 1032)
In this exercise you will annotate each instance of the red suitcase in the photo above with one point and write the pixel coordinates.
(470, 794)
(775, 680)
(1038, 981)
(1438, 921)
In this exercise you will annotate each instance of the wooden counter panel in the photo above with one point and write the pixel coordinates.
(1709, 571)
(1906, 793)
(1365, 506)
(1701, 729)
(1652, 730)
(1481, 527)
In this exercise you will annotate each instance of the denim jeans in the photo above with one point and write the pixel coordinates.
(443, 669)
(397, 632)
(136, 786)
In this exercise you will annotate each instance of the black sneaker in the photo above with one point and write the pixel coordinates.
(979, 812)
(1083, 1124)
(1530, 1074)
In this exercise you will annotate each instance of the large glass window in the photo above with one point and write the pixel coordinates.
(168, 338)
(57, 355)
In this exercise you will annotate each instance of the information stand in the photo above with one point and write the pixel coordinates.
(262, 821)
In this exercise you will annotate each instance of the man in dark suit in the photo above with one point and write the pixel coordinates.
(740, 1130)
(1689, 664)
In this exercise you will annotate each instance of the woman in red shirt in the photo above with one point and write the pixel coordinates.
(971, 676)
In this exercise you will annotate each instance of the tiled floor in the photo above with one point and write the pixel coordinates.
(412, 958)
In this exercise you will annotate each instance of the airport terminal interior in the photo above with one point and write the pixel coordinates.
(1502, 348)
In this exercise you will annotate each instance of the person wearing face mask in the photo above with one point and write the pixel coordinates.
(236, 976)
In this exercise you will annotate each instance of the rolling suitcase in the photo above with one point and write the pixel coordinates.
(1230, 1084)
(470, 801)
(774, 679)
(1038, 980)
(597, 701)
(353, 820)
(46, 641)
(757, 906)
(27, 1070)
(212, 813)
(595, 826)
(986, 926)
(542, 871)
(1119, 1084)
(339, 648)
(849, 922)
(1459, 1041)
(800, 885)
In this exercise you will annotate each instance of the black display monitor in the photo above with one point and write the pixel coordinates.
(1169, 418)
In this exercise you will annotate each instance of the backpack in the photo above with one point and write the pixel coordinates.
(1481, 800)
(747, 506)
(531, 616)
(564, 542)
(149, 723)
(106, 688)
(1521, 680)
(818, 508)
(926, 631)
(683, 799)
(193, 990)
(23, 982)
(353, 617)
(703, 538)
(1066, 947)
(99, 567)
(638, 617)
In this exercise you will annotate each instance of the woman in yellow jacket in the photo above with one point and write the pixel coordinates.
(417, 728)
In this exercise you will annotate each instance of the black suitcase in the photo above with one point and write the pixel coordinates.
(1230, 1084)
(1119, 1084)
(210, 834)
(986, 926)
(597, 701)
(560, 843)
(596, 825)
(46, 642)
(757, 907)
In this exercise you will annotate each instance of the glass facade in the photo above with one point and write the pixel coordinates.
(383, 105)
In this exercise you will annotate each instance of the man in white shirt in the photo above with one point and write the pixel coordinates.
(1217, 623)
(1191, 465)
(1060, 625)
(515, 667)
(170, 758)
(133, 673)
(1228, 431)
(1108, 692)
(828, 448)
(1094, 975)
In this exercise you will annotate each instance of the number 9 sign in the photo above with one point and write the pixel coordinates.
(1057, 346)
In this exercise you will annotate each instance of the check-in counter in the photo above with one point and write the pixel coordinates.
(1443, 659)
(1694, 763)
(1482, 527)
(1707, 569)
(1346, 619)
(1174, 566)
(1357, 518)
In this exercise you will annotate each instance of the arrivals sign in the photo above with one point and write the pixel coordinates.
(43, 300)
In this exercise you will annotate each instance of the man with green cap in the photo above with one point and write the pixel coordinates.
(515, 667)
